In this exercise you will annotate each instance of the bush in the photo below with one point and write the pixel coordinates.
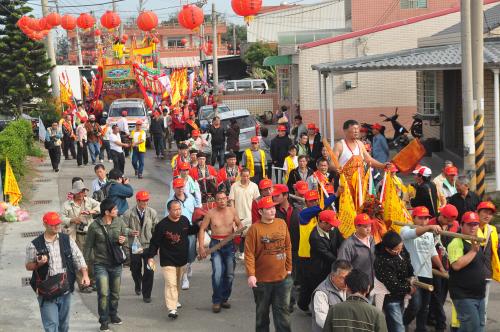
(16, 142)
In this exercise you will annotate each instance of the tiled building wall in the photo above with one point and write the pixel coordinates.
(255, 104)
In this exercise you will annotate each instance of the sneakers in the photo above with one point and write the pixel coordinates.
(179, 305)
(138, 290)
(226, 305)
(172, 314)
(147, 300)
(104, 327)
(189, 270)
(216, 308)
(116, 320)
(185, 281)
(240, 256)
(101, 160)
(86, 290)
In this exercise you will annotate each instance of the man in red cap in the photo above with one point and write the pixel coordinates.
(419, 242)
(254, 159)
(439, 180)
(446, 186)
(138, 145)
(380, 148)
(468, 275)
(265, 189)
(157, 130)
(43, 257)
(268, 262)
(190, 185)
(141, 220)
(279, 148)
(197, 141)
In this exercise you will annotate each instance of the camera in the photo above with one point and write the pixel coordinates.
(41, 253)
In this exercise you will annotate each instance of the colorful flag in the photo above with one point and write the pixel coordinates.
(11, 187)
(347, 210)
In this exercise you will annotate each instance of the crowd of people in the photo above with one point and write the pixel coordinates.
(287, 233)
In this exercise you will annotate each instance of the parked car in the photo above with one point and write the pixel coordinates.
(206, 114)
(136, 110)
(247, 84)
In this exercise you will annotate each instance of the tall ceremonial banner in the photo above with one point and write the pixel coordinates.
(347, 210)
(11, 188)
(394, 207)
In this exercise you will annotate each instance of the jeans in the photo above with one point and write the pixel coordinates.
(138, 161)
(470, 314)
(223, 264)
(394, 316)
(192, 248)
(93, 150)
(55, 157)
(143, 277)
(218, 154)
(438, 298)
(55, 313)
(418, 307)
(118, 160)
(158, 143)
(277, 295)
(486, 297)
(105, 146)
(108, 280)
(82, 153)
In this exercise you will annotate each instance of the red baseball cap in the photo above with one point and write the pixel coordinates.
(254, 139)
(178, 183)
(487, 206)
(421, 211)
(329, 188)
(138, 122)
(142, 195)
(124, 113)
(311, 195)
(281, 128)
(265, 183)
(52, 218)
(195, 133)
(449, 211)
(362, 219)
(266, 203)
(330, 217)
(311, 126)
(279, 189)
(214, 105)
(451, 170)
(470, 217)
(363, 130)
(377, 126)
(301, 187)
(184, 166)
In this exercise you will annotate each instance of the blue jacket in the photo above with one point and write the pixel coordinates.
(119, 193)
(187, 205)
(308, 213)
(380, 149)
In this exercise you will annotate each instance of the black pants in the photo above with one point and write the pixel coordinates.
(143, 277)
(218, 155)
(158, 143)
(306, 286)
(438, 298)
(418, 307)
(118, 160)
(257, 174)
(55, 157)
(125, 139)
(68, 144)
(82, 153)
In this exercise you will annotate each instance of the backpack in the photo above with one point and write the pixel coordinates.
(101, 194)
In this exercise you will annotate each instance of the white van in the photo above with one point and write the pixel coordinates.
(246, 85)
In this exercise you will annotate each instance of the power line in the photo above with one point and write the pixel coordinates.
(69, 6)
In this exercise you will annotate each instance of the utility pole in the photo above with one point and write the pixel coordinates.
(478, 89)
(234, 39)
(215, 64)
(78, 47)
(467, 88)
(51, 54)
(202, 41)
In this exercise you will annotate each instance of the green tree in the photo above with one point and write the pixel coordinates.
(241, 34)
(257, 52)
(62, 52)
(24, 67)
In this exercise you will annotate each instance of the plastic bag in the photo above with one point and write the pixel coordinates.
(136, 246)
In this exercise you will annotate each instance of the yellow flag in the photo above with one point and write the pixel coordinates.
(347, 210)
(394, 207)
(11, 188)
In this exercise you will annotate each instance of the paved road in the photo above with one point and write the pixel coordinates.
(196, 314)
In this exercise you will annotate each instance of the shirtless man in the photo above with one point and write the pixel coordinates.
(222, 221)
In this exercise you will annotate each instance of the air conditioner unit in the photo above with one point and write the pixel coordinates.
(349, 85)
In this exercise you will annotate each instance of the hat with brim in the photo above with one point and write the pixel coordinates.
(266, 203)
(330, 217)
(78, 187)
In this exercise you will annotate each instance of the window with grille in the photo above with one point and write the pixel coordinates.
(426, 93)
(410, 4)
(283, 73)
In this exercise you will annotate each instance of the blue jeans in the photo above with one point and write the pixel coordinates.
(418, 307)
(223, 264)
(470, 314)
(394, 316)
(55, 313)
(108, 280)
(138, 161)
(277, 295)
(94, 148)
(192, 248)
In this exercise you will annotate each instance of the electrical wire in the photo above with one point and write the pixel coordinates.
(69, 6)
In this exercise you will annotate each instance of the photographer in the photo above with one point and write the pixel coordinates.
(43, 257)
(119, 190)
(77, 215)
(53, 145)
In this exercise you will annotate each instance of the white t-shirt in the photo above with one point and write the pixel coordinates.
(243, 198)
(137, 137)
(113, 139)
(421, 250)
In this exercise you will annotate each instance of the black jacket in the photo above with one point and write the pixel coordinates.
(426, 195)
(393, 272)
(324, 251)
(294, 177)
(156, 127)
(279, 149)
(470, 203)
(218, 135)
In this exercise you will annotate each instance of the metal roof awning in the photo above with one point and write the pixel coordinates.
(277, 60)
(445, 57)
(180, 62)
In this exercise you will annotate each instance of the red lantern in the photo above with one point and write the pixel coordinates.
(190, 17)
(247, 8)
(110, 20)
(97, 32)
(54, 19)
(34, 24)
(124, 37)
(68, 22)
(85, 21)
(184, 41)
(147, 21)
(23, 22)
(44, 24)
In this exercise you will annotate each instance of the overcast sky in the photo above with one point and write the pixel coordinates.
(163, 8)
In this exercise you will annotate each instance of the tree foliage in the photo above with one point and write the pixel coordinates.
(254, 57)
(241, 34)
(24, 67)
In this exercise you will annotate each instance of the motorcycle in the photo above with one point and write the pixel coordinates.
(400, 139)
(416, 127)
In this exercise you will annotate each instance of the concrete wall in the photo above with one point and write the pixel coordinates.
(255, 104)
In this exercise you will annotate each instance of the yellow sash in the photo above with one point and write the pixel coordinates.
(250, 162)
(142, 146)
(290, 166)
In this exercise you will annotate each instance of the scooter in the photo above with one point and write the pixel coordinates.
(416, 127)
(400, 139)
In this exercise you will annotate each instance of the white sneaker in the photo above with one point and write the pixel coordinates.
(101, 161)
(179, 305)
(240, 256)
(172, 314)
(185, 281)
(189, 271)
